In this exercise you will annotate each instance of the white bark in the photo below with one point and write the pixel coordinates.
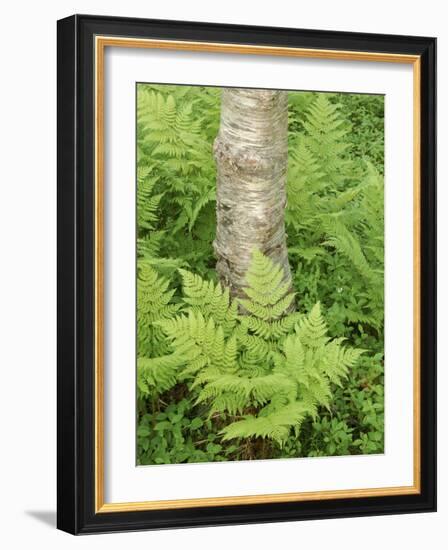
(251, 152)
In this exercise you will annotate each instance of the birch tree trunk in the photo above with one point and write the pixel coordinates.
(251, 153)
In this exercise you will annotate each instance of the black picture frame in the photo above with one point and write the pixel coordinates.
(76, 255)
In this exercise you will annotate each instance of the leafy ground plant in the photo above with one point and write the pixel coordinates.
(252, 369)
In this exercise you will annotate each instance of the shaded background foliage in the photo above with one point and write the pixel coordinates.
(335, 228)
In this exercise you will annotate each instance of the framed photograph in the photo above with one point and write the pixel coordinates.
(246, 274)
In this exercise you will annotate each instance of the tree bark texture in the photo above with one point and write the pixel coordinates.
(251, 152)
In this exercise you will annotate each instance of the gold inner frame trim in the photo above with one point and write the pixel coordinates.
(101, 42)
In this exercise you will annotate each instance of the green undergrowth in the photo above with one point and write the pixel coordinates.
(213, 384)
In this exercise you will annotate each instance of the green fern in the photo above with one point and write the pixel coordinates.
(326, 137)
(147, 201)
(157, 375)
(210, 299)
(335, 222)
(171, 135)
(304, 366)
(153, 305)
(275, 363)
(269, 297)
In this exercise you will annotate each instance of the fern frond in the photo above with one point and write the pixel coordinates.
(153, 305)
(210, 299)
(269, 296)
(269, 330)
(156, 375)
(312, 329)
(274, 426)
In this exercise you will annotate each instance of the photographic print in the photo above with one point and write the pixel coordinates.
(260, 274)
(246, 274)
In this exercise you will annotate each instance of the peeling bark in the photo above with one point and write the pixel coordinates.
(251, 152)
